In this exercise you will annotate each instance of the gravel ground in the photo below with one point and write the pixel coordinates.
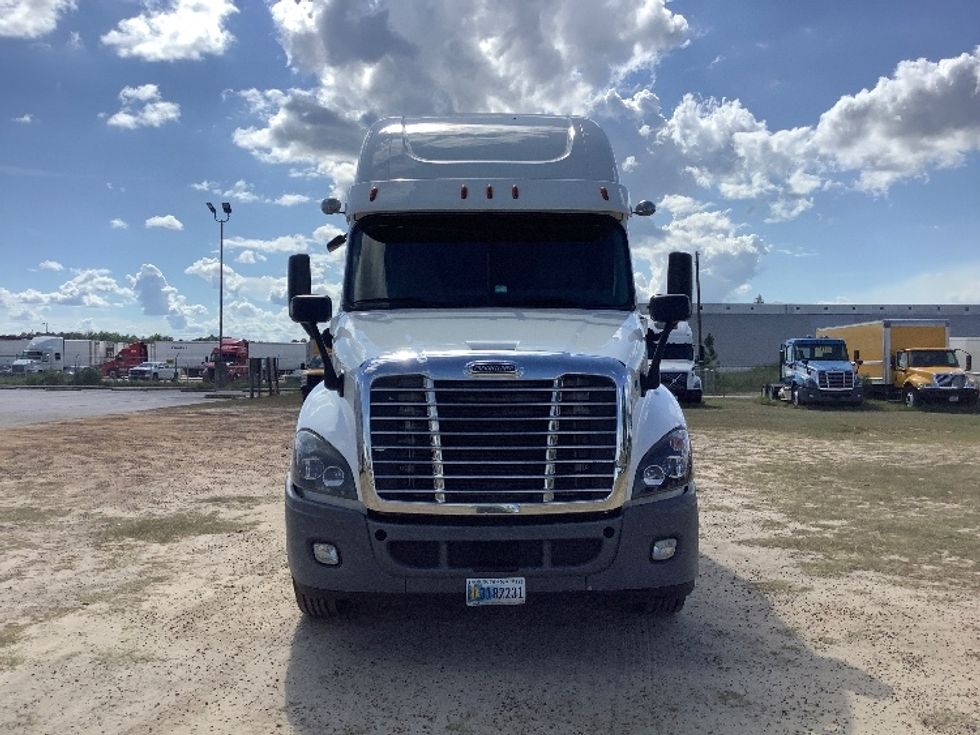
(187, 624)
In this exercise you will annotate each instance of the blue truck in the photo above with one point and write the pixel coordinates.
(816, 370)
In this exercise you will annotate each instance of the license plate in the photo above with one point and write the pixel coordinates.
(954, 399)
(495, 591)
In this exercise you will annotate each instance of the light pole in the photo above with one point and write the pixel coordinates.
(219, 363)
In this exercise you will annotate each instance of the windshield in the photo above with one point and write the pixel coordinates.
(933, 358)
(679, 352)
(821, 351)
(576, 261)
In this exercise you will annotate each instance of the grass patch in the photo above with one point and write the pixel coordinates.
(740, 381)
(122, 657)
(10, 635)
(170, 528)
(950, 721)
(886, 491)
(124, 594)
(31, 514)
(771, 587)
(238, 501)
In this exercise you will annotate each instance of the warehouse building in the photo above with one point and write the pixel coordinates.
(747, 335)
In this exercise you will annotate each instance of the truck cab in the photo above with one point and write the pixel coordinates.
(43, 354)
(491, 423)
(677, 370)
(817, 370)
(933, 376)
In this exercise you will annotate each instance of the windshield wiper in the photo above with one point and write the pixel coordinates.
(544, 303)
(399, 302)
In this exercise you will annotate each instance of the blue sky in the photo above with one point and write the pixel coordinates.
(821, 152)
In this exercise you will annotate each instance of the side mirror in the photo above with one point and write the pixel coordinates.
(336, 243)
(644, 208)
(308, 309)
(671, 308)
(298, 279)
(331, 206)
(891, 362)
(969, 362)
(857, 357)
(680, 275)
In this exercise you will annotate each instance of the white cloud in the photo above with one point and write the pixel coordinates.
(167, 222)
(291, 200)
(927, 114)
(282, 244)
(729, 257)
(25, 119)
(50, 265)
(143, 107)
(957, 285)
(250, 257)
(370, 59)
(241, 191)
(92, 287)
(183, 29)
(208, 186)
(262, 289)
(159, 298)
(31, 18)
(118, 224)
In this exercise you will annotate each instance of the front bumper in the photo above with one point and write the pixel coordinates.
(932, 394)
(435, 554)
(811, 394)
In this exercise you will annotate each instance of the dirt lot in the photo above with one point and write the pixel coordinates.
(143, 588)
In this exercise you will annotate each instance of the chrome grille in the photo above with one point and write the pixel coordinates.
(493, 441)
(950, 380)
(835, 379)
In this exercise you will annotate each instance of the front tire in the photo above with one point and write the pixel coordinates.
(911, 396)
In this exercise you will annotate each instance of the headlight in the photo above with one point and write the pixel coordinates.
(666, 468)
(319, 469)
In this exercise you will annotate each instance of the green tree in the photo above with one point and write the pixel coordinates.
(710, 354)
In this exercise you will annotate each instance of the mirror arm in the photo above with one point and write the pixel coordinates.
(331, 379)
(651, 381)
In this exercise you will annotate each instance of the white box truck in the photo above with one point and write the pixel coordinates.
(491, 422)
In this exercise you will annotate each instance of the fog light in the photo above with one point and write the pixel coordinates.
(663, 549)
(326, 554)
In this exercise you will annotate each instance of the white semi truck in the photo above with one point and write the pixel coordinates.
(491, 423)
(677, 370)
(45, 353)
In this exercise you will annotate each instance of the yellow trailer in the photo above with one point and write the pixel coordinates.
(910, 357)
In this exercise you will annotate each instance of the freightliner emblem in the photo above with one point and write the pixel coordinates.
(492, 367)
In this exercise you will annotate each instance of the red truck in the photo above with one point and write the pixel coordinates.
(133, 354)
(234, 354)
